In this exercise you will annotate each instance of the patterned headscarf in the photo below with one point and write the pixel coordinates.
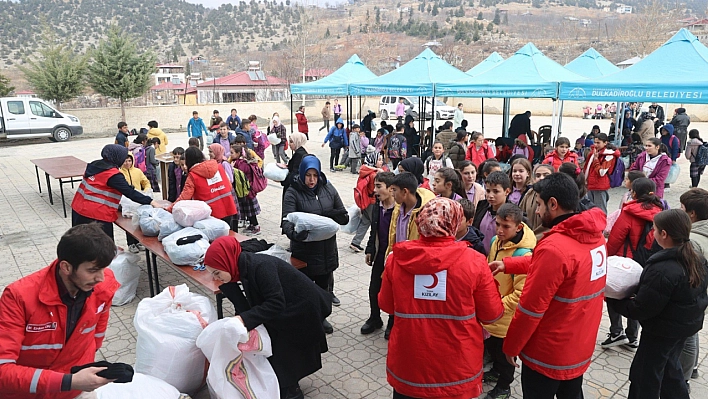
(440, 217)
(298, 140)
(371, 156)
(218, 151)
(114, 154)
(223, 254)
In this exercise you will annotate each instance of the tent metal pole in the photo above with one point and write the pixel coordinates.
(432, 114)
(360, 113)
(505, 117)
(560, 117)
(291, 113)
(482, 116)
(553, 120)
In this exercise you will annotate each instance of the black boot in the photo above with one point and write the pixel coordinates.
(371, 325)
(293, 392)
(328, 329)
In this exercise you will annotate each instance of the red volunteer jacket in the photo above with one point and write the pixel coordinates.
(630, 223)
(554, 160)
(95, 199)
(561, 306)
(207, 181)
(436, 345)
(599, 168)
(34, 353)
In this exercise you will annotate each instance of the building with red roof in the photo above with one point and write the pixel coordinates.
(248, 86)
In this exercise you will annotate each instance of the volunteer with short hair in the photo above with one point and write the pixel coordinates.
(98, 195)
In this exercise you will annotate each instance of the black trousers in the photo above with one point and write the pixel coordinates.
(537, 386)
(232, 221)
(334, 156)
(632, 330)
(130, 239)
(500, 364)
(397, 395)
(77, 219)
(656, 370)
(374, 288)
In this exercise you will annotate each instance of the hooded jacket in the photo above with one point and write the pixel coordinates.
(337, 136)
(555, 161)
(665, 304)
(477, 156)
(599, 167)
(660, 172)
(692, 149)
(157, 132)
(630, 223)
(563, 291)
(681, 120)
(671, 142)
(423, 196)
(456, 153)
(321, 257)
(699, 236)
(436, 346)
(203, 184)
(301, 122)
(411, 135)
(135, 177)
(510, 285)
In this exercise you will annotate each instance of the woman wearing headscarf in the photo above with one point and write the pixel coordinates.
(415, 165)
(438, 313)
(310, 192)
(216, 152)
(296, 141)
(284, 300)
(98, 195)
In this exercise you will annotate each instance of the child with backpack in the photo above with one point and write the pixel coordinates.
(436, 161)
(697, 154)
(364, 198)
(337, 139)
(396, 146)
(513, 238)
(448, 183)
(632, 237)
(248, 162)
(561, 154)
(152, 163)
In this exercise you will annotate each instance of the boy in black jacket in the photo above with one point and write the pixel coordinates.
(176, 176)
(376, 247)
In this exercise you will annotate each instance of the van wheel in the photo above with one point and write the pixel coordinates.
(437, 115)
(384, 115)
(61, 134)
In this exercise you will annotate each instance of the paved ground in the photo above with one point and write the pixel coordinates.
(355, 366)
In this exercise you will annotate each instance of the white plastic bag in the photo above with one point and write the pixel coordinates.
(238, 361)
(144, 210)
(320, 227)
(274, 172)
(277, 252)
(150, 222)
(127, 272)
(142, 387)
(191, 254)
(168, 227)
(354, 219)
(212, 228)
(673, 175)
(274, 139)
(128, 207)
(168, 326)
(622, 277)
(189, 211)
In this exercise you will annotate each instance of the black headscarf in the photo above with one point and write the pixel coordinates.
(415, 166)
(114, 154)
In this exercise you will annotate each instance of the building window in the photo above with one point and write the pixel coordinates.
(238, 97)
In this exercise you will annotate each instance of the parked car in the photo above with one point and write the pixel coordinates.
(31, 117)
(387, 107)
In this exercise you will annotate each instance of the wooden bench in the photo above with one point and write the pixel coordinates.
(60, 168)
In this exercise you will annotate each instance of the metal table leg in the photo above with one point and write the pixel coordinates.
(63, 202)
(154, 272)
(36, 171)
(220, 305)
(49, 188)
(149, 270)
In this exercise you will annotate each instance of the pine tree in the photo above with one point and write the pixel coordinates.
(497, 17)
(327, 34)
(5, 87)
(349, 29)
(480, 16)
(119, 70)
(58, 74)
(435, 10)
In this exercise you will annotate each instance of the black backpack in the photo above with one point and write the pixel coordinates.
(644, 249)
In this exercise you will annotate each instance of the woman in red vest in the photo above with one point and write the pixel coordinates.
(98, 195)
(207, 181)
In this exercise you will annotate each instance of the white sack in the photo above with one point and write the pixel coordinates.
(168, 326)
(274, 139)
(213, 228)
(128, 207)
(274, 172)
(277, 252)
(231, 350)
(320, 227)
(189, 211)
(188, 254)
(168, 227)
(354, 219)
(142, 387)
(150, 221)
(127, 272)
(622, 277)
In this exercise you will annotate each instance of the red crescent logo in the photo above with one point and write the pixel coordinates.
(602, 259)
(435, 282)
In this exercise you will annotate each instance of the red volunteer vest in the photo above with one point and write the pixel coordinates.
(95, 199)
(215, 191)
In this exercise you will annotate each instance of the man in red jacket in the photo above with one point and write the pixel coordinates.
(56, 318)
(555, 326)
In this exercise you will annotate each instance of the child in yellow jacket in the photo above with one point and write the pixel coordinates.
(136, 178)
(514, 238)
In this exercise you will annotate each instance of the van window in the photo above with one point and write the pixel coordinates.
(405, 101)
(40, 109)
(16, 107)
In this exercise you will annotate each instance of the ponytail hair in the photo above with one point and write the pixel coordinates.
(644, 189)
(677, 224)
(453, 176)
(577, 175)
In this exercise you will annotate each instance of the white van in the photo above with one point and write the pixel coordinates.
(387, 107)
(31, 117)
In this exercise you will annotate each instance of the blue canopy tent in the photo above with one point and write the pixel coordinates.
(526, 74)
(337, 83)
(656, 78)
(488, 63)
(591, 64)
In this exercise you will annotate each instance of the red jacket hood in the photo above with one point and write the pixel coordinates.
(206, 169)
(635, 209)
(585, 227)
(366, 170)
(440, 251)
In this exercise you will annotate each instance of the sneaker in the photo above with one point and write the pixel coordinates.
(335, 301)
(241, 224)
(133, 248)
(355, 248)
(253, 230)
(614, 341)
(694, 374)
(498, 393)
(140, 246)
(331, 169)
(490, 377)
(633, 345)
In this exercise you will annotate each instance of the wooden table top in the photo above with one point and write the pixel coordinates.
(61, 167)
